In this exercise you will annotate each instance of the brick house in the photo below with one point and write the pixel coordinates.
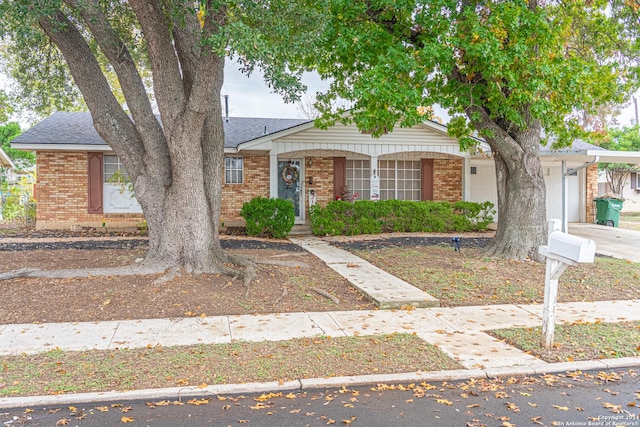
(290, 159)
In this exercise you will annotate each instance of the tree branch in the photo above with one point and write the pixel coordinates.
(109, 119)
(130, 81)
(167, 78)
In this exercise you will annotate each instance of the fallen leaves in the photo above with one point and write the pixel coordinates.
(616, 409)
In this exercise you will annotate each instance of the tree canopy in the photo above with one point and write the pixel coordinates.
(22, 159)
(162, 58)
(514, 62)
(620, 139)
(504, 71)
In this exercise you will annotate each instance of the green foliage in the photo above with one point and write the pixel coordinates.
(266, 217)
(367, 217)
(22, 159)
(11, 206)
(507, 63)
(625, 139)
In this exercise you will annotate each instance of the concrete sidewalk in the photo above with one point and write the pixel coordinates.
(459, 332)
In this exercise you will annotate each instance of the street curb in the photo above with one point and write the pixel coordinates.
(179, 393)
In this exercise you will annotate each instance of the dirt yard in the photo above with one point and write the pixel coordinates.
(277, 288)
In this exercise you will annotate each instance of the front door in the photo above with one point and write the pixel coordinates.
(291, 185)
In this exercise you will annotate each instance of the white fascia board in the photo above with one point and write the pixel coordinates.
(615, 156)
(437, 127)
(62, 147)
(5, 160)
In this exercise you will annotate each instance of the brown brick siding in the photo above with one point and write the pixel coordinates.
(321, 170)
(62, 188)
(255, 183)
(447, 179)
(591, 192)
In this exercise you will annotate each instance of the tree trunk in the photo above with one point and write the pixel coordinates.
(175, 165)
(521, 208)
(520, 186)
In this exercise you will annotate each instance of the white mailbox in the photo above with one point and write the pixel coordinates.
(571, 247)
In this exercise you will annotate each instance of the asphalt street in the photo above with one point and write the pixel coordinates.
(610, 398)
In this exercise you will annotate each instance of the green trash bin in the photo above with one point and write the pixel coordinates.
(608, 211)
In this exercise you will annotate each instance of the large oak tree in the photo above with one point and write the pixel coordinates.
(512, 72)
(174, 160)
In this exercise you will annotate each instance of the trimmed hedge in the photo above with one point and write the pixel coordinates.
(367, 217)
(268, 217)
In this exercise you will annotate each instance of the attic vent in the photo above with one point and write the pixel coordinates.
(474, 170)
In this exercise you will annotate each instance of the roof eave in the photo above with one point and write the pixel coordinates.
(61, 147)
(5, 160)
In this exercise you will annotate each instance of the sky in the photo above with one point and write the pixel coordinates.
(250, 96)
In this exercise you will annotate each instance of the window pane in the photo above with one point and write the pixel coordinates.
(233, 170)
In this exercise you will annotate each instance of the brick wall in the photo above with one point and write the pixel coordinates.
(321, 170)
(447, 179)
(255, 183)
(62, 194)
(591, 192)
(62, 188)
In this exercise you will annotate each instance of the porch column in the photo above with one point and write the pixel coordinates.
(466, 178)
(374, 165)
(273, 175)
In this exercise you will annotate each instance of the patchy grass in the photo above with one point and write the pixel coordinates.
(58, 372)
(630, 220)
(577, 341)
(470, 278)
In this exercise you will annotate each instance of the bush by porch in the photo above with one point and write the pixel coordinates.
(367, 217)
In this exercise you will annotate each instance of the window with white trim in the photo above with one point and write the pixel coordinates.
(399, 179)
(359, 178)
(233, 170)
(113, 166)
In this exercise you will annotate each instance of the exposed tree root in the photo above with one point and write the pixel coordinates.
(128, 270)
(333, 298)
(294, 264)
(172, 274)
(284, 294)
(247, 271)
(23, 272)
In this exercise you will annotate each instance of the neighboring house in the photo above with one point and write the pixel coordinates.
(6, 167)
(630, 192)
(289, 159)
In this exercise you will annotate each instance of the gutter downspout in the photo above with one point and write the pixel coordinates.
(565, 189)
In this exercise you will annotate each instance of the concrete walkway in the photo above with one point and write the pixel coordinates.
(459, 332)
(610, 241)
(384, 289)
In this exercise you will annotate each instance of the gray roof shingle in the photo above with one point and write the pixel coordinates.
(77, 129)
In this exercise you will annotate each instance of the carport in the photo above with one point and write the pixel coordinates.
(588, 155)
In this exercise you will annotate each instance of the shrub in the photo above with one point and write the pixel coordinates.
(268, 217)
(367, 217)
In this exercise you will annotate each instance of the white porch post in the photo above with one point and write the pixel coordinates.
(565, 198)
(466, 178)
(374, 166)
(273, 175)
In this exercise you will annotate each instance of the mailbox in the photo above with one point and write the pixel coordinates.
(571, 247)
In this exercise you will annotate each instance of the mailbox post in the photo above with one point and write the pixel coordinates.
(562, 250)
